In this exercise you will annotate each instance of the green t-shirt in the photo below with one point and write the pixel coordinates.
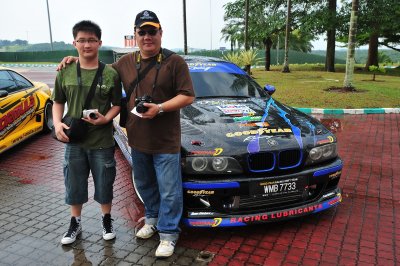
(66, 90)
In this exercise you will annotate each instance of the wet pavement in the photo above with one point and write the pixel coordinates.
(363, 230)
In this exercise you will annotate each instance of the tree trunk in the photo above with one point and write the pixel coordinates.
(372, 51)
(286, 62)
(267, 45)
(246, 25)
(331, 39)
(348, 78)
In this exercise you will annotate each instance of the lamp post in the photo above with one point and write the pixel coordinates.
(185, 49)
(48, 16)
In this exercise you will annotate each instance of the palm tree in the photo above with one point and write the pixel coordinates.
(348, 79)
(286, 62)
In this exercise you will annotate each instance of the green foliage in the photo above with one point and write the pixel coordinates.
(375, 70)
(249, 57)
(233, 57)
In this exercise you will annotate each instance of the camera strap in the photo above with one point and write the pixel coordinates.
(164, 54)
(98, 79)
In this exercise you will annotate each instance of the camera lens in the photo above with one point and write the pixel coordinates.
(93, 115)
(140, 108)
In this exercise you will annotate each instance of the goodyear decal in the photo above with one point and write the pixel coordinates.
(15, 116)
(264, 217)
(200, 192)
(258, 132)
(215, 67)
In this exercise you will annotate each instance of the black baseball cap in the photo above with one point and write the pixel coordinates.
(147, 17)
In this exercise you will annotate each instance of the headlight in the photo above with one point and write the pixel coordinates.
(321, 153)
(211, 165)
(199, 164)
(219, 163)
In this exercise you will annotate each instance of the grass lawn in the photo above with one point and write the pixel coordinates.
(305, 86)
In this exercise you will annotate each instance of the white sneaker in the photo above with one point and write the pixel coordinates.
(74, 230)
(108, 229)
(165, 249)
(146, 231)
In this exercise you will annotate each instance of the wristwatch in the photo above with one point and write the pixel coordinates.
(160, 109)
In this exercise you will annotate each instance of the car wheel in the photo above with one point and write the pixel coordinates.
(48, 117)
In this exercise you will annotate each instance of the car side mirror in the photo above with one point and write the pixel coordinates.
(269, 89)
(3, 93)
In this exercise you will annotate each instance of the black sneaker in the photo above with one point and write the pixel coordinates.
(108, 230)
(74, 230)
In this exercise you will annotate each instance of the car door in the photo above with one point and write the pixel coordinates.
(17, 109)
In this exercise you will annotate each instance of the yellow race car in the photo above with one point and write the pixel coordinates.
(25, 108)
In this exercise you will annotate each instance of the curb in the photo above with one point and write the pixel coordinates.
(28, 65)
(350, 111)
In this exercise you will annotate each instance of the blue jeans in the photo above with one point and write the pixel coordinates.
(77, 165)
(158, 179)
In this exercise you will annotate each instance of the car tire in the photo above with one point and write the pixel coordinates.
(48, 117)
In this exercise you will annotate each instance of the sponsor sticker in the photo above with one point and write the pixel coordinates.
(235, 109)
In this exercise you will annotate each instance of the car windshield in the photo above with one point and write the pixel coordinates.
(223, 84)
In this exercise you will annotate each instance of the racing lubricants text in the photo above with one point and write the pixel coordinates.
(16, 115)
(275, 215)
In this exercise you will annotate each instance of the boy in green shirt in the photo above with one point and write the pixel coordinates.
(95, 152)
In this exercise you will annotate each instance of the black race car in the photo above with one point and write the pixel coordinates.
(247, 158)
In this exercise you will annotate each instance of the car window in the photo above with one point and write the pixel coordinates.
(7, 82)
(222, 84)
(22, 82)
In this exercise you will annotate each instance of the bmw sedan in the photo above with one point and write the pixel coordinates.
(246, 158)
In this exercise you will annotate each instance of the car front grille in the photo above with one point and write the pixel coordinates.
(270, 161)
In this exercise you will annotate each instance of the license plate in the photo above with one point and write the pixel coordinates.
(278, 188)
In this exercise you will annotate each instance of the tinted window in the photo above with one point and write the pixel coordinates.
(222, 84)
(21, 81)
(6, 82)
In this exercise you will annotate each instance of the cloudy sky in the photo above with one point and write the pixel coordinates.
(28, 20)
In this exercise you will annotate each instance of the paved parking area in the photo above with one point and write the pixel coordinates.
(363, 230)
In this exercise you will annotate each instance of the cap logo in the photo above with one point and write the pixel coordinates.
(146, 15)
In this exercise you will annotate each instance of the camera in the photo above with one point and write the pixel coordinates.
(139, 101)
(90, 113)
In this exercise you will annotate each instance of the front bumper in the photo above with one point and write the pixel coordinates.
(230, 202)
(210, 219)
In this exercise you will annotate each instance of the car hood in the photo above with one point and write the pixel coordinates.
(229, 127)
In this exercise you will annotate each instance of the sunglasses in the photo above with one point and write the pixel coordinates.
(150, 32)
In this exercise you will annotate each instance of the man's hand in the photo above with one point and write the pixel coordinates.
(66, 60)
(99, 120)
(59, 130)
(152, 111)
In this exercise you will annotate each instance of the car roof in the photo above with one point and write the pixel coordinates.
(203, 59)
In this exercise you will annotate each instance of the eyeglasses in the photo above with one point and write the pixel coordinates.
(150, 32)
(89, 41)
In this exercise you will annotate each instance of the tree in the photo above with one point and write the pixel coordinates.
(331, 38)
(377, 26)
(287, 32)
(348, 79)
(266, 23)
